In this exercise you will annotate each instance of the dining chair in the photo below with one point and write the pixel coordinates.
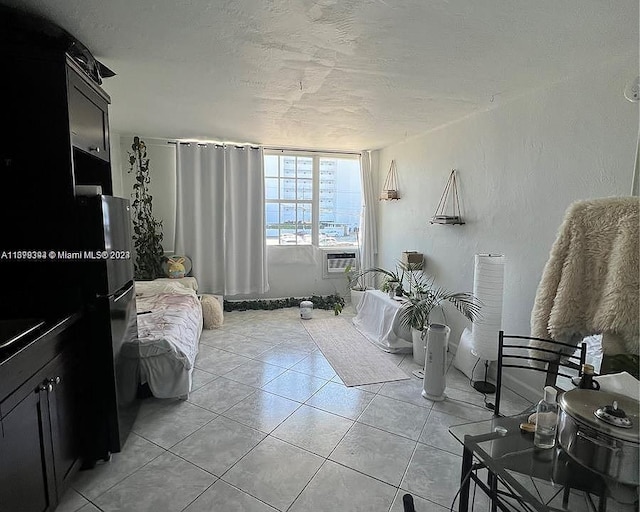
(555, 359)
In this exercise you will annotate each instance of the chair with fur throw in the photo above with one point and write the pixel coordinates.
(590, 284)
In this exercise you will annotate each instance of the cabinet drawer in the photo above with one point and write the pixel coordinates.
(88, 117)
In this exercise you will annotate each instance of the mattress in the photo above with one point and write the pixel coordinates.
(169, 328)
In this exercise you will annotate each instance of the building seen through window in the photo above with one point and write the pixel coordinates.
(312, 199)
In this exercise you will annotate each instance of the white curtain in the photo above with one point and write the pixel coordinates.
(220, 217)
(368, 225)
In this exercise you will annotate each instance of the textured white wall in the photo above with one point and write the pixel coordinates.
(519, 166)
(116, 164)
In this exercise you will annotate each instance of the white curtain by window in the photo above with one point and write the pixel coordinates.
(368, 225)
(220, 217)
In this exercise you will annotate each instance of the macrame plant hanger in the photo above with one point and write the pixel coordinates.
(390, 187)
(450, 189)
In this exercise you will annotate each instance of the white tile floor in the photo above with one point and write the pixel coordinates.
(269, 426)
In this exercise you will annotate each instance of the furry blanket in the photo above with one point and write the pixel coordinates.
(590, 284)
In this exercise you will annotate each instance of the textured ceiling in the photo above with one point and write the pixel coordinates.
(332, 74)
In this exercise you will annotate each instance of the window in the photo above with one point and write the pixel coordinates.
(312, 199)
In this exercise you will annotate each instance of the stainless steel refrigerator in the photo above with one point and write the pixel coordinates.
(111, 326)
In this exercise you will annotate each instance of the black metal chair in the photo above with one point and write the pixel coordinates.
(555, 359)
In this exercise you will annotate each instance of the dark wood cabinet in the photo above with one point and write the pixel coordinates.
(64, 402)
(25, 465)
(39, 425)
(54, 136)
(88, 116)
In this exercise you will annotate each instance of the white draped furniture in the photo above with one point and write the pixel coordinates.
(378, 320)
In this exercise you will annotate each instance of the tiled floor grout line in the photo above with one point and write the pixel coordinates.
(127, 476)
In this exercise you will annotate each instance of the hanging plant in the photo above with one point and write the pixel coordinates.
(147, 231)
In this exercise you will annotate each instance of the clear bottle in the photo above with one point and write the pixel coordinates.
(546, 419)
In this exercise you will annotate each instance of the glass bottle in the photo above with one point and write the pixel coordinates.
(587, 382)
(546, 419)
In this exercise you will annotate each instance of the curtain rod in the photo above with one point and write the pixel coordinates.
(271, 148)
(326, 151)
(220, 144)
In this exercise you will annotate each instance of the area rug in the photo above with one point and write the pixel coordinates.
(352, 356)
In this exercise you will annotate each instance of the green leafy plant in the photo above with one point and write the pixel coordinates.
(147, 230)
(354, 279)
(421, 295)
(417, 308)
(334, 302)
(391, 279)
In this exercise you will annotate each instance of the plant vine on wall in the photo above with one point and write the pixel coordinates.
(147, 231)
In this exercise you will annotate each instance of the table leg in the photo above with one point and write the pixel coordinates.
(492, 480)
(465, 480)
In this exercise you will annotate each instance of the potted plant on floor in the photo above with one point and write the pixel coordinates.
(355, 286)
(418, 305)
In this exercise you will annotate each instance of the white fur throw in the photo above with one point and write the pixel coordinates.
(211, 312)
(590, 284)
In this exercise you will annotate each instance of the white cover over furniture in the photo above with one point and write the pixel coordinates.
(378, 321)
(169, 327)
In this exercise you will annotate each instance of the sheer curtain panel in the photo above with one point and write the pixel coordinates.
(220, 217)
(368, 226)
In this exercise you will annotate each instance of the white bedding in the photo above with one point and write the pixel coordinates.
(169, 327)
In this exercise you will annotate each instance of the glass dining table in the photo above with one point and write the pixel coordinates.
(521, 477)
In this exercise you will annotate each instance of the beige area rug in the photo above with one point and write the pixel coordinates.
(352, 356)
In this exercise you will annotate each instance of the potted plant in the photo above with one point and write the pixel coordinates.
(147, 231)
(420, 297)
(424, 297)
(355, 286)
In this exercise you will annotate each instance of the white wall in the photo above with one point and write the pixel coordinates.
(519, 166)
(116, 164)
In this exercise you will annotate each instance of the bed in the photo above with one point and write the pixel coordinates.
(169, 328)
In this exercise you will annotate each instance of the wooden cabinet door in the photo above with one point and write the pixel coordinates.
(64, 413)
(88, 117)
(25, 456)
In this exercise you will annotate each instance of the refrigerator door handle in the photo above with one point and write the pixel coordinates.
(120, 295)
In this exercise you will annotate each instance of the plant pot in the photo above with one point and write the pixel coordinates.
(356, 298)
(419, 346)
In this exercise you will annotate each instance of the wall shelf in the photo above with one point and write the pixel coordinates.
(440, 216)
(390, 187)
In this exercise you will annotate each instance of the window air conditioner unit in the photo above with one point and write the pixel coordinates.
(335, 263)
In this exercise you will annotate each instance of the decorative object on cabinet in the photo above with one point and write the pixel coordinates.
(147, 230)
(450, 189)
(390, 187)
